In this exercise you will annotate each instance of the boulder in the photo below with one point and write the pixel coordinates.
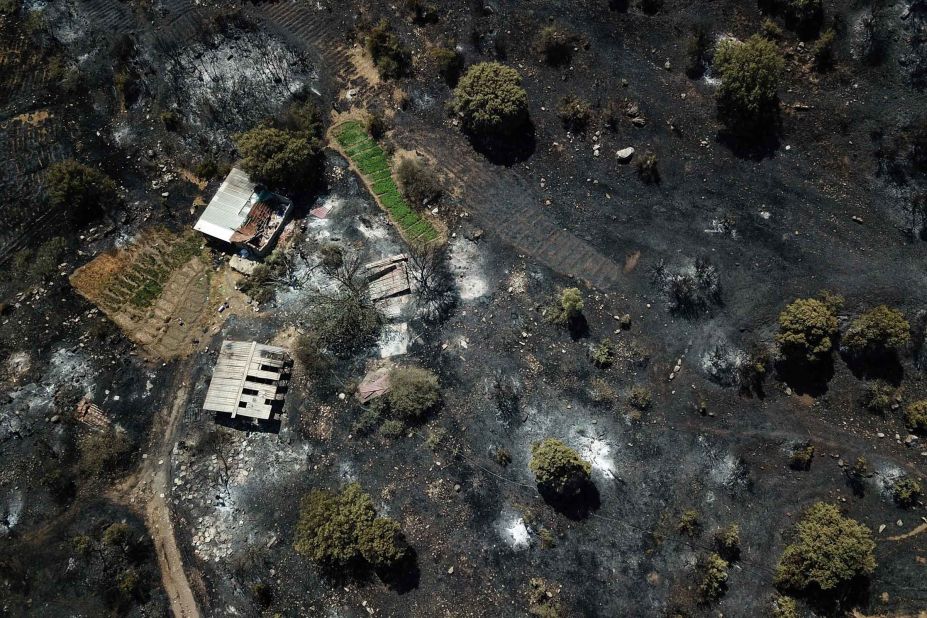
(624, 155)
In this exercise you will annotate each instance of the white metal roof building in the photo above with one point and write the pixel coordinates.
(242, 212)
(229, 207)
(246, 380)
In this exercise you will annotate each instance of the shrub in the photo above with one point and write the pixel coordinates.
(279, 158)
(878, 397)
(422, 12)
(857, 476)
(308, 352)
(876, 333)
(85, 192)
(390, 55)
(906, 491)
(807, 329)
(502, 457)
(603, 355)
(382, 544)
(692, 288)
(688, 523)
(554, 45)
(569, 306)
(801, 457)
(915, 416)
(804, 16)
(647, 169)
(750, 74)
(558, 468)
(542, 597)
(207, 169)
(102, 453)
(714, 578)
(697, 47)
(413, 391)
(304, 116)
(419, 183)
(375, 124)
(344, 323)
(116, 534)
(574, 113)
(727, 542)
(128, 582)
(828, 552)
(330, 524)
(771, 30)
(490, 99)
(823, 49)
(46, 259)
(392, 429)
(640, 397)
(784, 607)
(449, 63)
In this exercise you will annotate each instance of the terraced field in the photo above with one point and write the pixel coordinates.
(157, 291)
(374, 166)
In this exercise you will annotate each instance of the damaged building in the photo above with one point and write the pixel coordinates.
(248, 380)
(245, 214)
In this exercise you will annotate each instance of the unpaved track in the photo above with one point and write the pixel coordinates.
(148, 490)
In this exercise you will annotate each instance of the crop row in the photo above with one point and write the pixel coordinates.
(373, 163)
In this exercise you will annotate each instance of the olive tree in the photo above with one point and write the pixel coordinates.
(807, 329)
(490, 100)
(750, 74)
(876, 333)
(559, 469)
(280, 158)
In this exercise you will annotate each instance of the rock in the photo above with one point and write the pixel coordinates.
(457, 487)
(450, 571)
(667, 65)
(880, 435)
(55, 418)
(624, 155)
(166, 194)
(638, 121)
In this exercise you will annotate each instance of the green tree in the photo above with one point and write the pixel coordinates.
(382, 544)
(877, 332)
(915, 416)
(807, 328)
(328, 528)
(714, 578)
(280, 158)
(83, 192)
(490, 99)
(750, 75)
(412, 392)
(829, 551)
(558, 468)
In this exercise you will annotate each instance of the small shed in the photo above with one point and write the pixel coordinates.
(245, 214)
(247, 380)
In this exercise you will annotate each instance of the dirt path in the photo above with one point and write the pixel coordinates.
(147, 491)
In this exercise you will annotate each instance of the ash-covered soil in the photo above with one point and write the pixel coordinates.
(151, 93)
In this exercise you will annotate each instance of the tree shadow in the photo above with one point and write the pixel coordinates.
(506, 149)
(403, 577)
(578, 327)
(754, 145)
(885, 366)
(577, 504)
(618, 5)
(806, 378)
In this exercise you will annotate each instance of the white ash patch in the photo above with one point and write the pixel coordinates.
(67, 366)
(10, 509)
(721, 363)
(513, 530)
(886, 476)
(598, 452)
(466, 265)
(18, 364)
(218, 487)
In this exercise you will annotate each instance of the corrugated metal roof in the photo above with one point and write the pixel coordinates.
(245, 379)
(229, 207)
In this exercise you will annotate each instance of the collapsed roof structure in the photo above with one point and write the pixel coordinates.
(247, 380)
(245, 214)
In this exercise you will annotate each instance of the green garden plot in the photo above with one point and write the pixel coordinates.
(373, 163)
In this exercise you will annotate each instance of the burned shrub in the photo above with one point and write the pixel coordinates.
(804, 16)
(647, 169)
(391, 429)
(807, 331)
(389, 54)
(309, 352)
(640, 398)
(915, 416)
(828, 552)
(418, 182)
(603, 354)
(172, 121)
(103, 453)
(543, 599)
(689, 524)
(906, 491)
(801, 457)
(727, 542)
(449, 63)
(338, 531)
(722, 363)
(878, 397)
(748, 101)
(857, 475)
(823, 49)
(344, 323)
(650, 7)
(691, 289)
(876, 334)
(303, 116)
(85, 193)
(554, 45)
(375, 123)
(280, 158)
(753, 371)
(490, 100)
(574, 113)
(558, 469)
(435, 294)
(422, 12)
(713, 582)
(413, 392)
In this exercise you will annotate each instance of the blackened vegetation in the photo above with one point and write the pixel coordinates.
(690, 290)
(435, 292)
(389, 53)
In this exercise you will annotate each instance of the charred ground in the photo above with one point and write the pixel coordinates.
(153, 93)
